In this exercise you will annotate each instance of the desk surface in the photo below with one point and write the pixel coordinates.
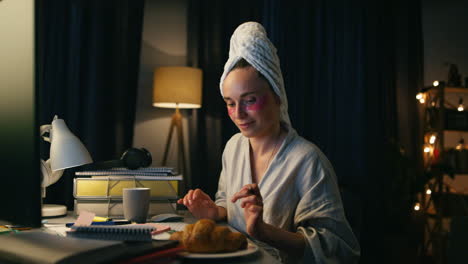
(259, 257)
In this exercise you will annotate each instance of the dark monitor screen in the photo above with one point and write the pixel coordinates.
(20, 179)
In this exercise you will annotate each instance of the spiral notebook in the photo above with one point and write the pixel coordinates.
(119, 232)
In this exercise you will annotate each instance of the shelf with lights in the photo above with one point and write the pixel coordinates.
(437, 198)
(431, 95)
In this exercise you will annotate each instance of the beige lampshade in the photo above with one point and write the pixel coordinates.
(177, 86)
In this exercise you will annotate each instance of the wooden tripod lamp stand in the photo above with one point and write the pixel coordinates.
(177, 87)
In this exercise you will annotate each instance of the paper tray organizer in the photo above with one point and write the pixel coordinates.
(103, 195)
(113, 207)
(111, 187)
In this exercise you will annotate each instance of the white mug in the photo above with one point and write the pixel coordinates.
(136, 204)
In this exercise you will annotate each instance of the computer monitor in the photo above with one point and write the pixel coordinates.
(20, 178)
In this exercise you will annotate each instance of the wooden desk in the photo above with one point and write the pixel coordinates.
(260, 257)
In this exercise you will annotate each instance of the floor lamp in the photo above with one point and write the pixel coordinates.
(179, 88)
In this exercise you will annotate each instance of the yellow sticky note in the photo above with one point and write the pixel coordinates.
(100, 219)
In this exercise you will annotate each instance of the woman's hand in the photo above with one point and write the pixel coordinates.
(200, 205)
(252, 202)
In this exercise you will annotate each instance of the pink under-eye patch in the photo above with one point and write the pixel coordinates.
(231, 110)
(258, 105)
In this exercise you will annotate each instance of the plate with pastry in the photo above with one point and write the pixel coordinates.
(206, 239)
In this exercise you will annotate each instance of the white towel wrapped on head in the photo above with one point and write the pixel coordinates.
(250, 42)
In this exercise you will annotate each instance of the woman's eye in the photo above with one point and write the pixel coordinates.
(230, 104)
(251, 101)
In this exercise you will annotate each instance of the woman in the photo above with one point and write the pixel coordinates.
(275, 186)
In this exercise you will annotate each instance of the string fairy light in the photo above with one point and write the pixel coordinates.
(417, 206)
(427, 149)
(460, 105)
(430, 146)
(421, 96)
(460, 144)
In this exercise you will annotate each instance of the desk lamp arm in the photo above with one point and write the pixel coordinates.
(49, 177)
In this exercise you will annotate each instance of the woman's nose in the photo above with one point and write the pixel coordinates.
(240, 111)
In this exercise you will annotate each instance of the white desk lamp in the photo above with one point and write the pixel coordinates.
(66, 151)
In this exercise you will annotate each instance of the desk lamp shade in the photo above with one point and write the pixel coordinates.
(177, 87)
(66, 151)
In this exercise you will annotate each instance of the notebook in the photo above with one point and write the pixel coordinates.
(118, 232)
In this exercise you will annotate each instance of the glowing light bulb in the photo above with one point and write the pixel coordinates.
(432, 139)
(427, 149)
(460, 144)
(435, 83)
(428, 191)
(417, 206)
(460, 105)
(422, 100)
(419, 96)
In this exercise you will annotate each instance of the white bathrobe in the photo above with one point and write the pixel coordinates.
(300, 194)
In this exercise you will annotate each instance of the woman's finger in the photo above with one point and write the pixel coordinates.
(253, 209)
(199, 194)
(246, 190)
(239, 195)
(187, 198)
(243, 192)
(190, 194)
(252, 199)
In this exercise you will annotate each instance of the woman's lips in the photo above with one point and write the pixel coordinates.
(245, 125)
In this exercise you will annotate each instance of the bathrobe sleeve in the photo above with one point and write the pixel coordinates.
(320, 216)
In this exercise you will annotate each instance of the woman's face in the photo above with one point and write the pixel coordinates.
(251, 104)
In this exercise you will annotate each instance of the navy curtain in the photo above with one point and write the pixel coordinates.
(351, 71)
(88, 58)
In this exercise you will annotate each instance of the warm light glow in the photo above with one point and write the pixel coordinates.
(433, 103)
(432, 139)
(435, 83)
(460, 108)
(428, 191)
(461, 144)
(417, 206)
(419, 96)
(422, 100)
(427, 149)
(177, 87)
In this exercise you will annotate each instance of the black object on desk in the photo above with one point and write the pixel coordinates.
(40, 247)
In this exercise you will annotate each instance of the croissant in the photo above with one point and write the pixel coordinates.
(205, 236)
